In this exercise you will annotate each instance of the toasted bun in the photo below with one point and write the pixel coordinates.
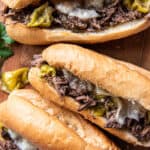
(84, 129)
(49, 93)
(40, 128)
(142, 71)
(38, 36)
(18, 4)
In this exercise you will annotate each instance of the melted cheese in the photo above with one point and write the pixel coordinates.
(74, 8)
(67, 6)
(83, 13)
(128, 109)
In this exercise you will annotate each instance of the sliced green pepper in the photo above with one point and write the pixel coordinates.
(41, 16)
(142, 6)
(47, 70)
(98, 111)
(99, 97)
(14, 79)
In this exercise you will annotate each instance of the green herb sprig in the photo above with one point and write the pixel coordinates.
(5, 41)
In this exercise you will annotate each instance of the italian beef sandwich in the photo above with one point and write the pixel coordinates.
(28, 122)
(110, 93)
(39, 22)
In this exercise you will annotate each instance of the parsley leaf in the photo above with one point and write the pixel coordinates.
(5, 52)
(5, 41)
(2, 44)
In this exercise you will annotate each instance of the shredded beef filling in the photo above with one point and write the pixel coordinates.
(66, 84)
(8, 144)
(111, 15)
(140, 129)
(83, 92)
(20, 16)
(37, 60)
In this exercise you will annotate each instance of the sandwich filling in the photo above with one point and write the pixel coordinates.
(9, 140)
(120, 113)
(80, 15)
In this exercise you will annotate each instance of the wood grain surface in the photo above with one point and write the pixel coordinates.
(134, 49)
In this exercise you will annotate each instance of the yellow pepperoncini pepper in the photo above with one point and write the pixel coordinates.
(142, 6)
(99, 111)
(41, 16)
(14, 79)
(47, 70)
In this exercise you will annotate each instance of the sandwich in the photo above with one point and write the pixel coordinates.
(28, 122)
(112, 94)
(38, 22)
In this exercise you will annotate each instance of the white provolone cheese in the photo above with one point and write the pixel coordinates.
(75, 9)
(83, 13)
(128, 109)
(67, 6)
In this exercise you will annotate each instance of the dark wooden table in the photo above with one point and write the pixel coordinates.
(134, 49)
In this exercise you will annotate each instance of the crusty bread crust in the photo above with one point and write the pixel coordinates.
(18, 4)
(136, 68)
(38, 36)
(49, 93)
(43, 130)
(84, 129)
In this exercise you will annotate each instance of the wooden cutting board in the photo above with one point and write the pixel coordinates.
(134, 49)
